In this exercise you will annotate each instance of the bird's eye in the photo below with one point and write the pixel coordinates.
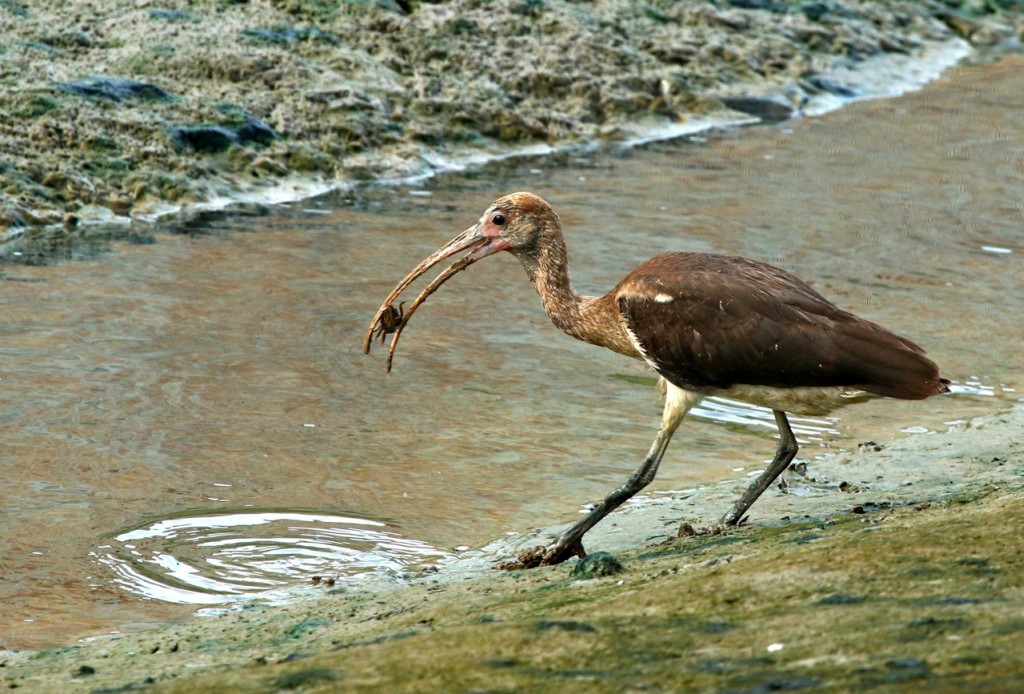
(498, 219)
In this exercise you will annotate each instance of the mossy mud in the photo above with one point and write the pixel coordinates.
(119, 110)
(859, 588)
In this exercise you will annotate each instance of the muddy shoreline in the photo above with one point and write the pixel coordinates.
(270, 101)
(856, 583)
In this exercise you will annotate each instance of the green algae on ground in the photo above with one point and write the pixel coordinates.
(664, 627)
(926, 595)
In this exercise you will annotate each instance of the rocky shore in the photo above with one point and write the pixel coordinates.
(125, 109)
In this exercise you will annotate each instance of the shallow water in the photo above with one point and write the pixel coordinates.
(217, 378)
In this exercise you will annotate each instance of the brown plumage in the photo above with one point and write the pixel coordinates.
(727, 320)
(708, 324)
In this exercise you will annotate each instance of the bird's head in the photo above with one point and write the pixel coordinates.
(520, 220)
(521, 223)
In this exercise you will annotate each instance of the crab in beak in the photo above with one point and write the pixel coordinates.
(482, 239)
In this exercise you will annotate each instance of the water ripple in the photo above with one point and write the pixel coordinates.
(228, 557)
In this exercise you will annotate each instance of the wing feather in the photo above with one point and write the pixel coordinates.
(733, 321)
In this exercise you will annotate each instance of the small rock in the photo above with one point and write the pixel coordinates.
(841, 599)
(216, 138)
(597, 564)
(501, 662)
(203, 138)
(305, 678)
(565, 625)
(961, 26)
(824, 84)
(171, 15)
(766, 108)
(287, 35)
(114, 89)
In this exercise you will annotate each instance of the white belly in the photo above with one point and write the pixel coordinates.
(804, 400)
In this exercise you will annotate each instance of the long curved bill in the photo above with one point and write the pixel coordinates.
(387, 320)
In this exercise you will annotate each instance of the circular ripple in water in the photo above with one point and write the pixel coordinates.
(227, 557)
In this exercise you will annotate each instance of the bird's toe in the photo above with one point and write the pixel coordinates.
(722, 526)
(561, 551)
(527, 559)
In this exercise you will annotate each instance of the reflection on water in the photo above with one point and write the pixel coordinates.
(222, 370)
(227, 557)
(975, 386)
(726, 411)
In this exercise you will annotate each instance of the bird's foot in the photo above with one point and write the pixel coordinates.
(544, 556)
(722, 526)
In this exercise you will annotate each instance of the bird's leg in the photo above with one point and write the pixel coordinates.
(569, 543)
(783, 457)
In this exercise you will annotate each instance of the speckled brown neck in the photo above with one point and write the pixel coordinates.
(595, 320)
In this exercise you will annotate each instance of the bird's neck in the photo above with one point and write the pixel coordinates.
(588, 318)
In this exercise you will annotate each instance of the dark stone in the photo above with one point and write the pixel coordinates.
(40, 46)
(824, 84)
(203, 138)
(203, 222)
(114, 89)
(212, 139)
(380, 639)
(715, 627)
(305, 626)
(952, 600)
(171, 15)
(501, 662)
(767, 109)
(254, 130)
(597, 564)
(305, 678)
(130, 687)
(289, 35)
(565, 625)
(934, 624)
(841, 599)
(973, 561)
(768, 5)
(814, 11)
(15, 8)
(781, 685)
(904, 670)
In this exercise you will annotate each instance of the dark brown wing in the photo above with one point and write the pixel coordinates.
(715, 321)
